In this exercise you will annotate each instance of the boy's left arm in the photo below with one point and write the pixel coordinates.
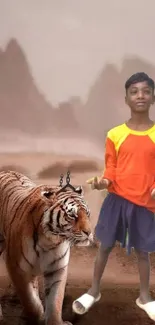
(153, 192)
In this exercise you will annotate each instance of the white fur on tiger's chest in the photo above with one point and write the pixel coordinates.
(55, 258)
(36, 264)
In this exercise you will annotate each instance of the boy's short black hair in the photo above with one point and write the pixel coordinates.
(139, 77)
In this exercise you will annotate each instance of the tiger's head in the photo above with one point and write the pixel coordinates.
(68, 217)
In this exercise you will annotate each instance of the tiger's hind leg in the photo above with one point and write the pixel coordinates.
(28, 294)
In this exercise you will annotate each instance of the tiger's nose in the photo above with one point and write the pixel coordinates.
(87, 232)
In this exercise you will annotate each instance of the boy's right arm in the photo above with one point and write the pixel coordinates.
(110, 166)
(110, 160)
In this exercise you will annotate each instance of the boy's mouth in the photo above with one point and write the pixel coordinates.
(140, 103)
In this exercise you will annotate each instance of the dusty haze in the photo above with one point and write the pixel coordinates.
(62, 70)
(63, 65)
(68, 42)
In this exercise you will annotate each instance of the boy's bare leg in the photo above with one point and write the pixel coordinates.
(100, 264)
(144, 274)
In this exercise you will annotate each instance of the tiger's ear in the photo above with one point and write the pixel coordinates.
(79, 190)
(47, 193)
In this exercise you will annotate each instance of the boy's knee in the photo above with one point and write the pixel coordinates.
(105, 250)
(142, 255)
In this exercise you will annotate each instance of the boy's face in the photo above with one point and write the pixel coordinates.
(140, 97)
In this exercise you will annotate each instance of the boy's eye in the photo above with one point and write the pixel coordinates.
(144, 91)
(133, 92)
(147, 91)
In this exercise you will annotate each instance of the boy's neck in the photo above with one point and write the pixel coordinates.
(140, 121)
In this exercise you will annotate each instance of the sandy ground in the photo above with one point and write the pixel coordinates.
(120, 281)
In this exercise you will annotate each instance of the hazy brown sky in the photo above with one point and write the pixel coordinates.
(67, 42)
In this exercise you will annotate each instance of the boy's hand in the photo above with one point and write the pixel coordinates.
(153, 194)
(98, 184)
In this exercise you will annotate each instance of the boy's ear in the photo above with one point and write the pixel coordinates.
(153, 100)
(126, 101)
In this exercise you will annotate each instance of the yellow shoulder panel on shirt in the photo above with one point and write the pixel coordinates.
(118, 135)
(151, 134)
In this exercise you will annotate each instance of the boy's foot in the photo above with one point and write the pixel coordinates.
(81, 305)
(148, 307)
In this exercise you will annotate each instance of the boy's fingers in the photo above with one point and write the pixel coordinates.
(95, 180)
(90, 180)
(95, 184)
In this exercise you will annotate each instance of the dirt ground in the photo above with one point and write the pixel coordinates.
(120, 282)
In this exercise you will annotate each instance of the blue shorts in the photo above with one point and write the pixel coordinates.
(123, 221)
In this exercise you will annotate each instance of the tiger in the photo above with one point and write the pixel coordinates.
(38, 226)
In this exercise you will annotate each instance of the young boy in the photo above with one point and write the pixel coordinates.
(129, 206)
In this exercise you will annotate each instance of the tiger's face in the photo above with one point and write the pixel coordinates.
(69, 218)
(76, 221)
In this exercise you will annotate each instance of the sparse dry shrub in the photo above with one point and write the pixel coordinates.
(54, 170)
(75, 166)
(82, 166)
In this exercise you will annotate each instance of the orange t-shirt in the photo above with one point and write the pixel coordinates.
(130, 164)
